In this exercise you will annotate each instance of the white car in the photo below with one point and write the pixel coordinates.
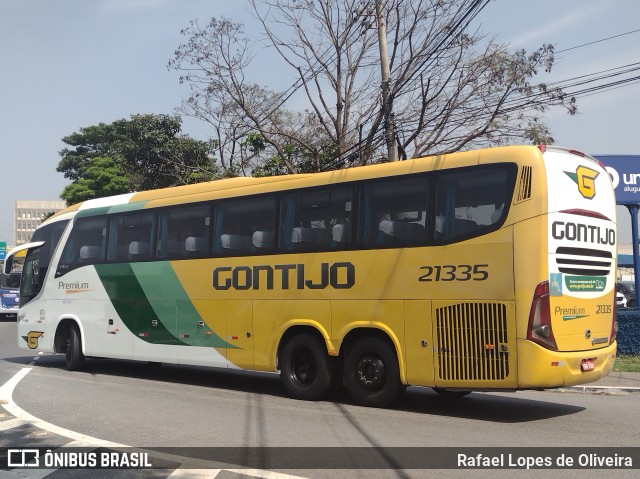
(621, 301)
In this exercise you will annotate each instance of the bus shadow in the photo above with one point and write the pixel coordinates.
(234, 380)
(490, 407)
(506, 407)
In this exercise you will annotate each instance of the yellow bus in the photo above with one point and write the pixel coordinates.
(477, 271)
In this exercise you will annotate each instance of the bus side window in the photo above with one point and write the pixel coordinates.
(394, 212)
(86, 244)
(184, 232)
(131, 236)
(245, 226)
(470, 202)
(316, 220)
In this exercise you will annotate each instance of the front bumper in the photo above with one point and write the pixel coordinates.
(8, 311)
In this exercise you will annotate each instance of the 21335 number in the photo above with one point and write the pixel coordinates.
(450, 272)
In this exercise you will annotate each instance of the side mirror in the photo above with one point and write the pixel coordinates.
(8, 264)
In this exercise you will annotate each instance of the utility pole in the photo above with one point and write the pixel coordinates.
(389, 131)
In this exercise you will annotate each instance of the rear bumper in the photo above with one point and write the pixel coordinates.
(8, 311)
(541, 368)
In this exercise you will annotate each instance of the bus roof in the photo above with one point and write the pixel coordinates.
(240, 186)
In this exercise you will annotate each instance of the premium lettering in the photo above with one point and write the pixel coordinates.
(285, 276)
(74, 286)
(585, 233)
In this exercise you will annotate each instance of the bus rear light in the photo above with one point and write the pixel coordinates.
(589, 213)
(542, 148)
(576, 152)
(614, 330)
(540, 330)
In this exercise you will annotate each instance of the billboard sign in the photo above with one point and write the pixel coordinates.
(624, 171)
(3, 250)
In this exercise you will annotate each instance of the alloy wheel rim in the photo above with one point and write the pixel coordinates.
(371, 372)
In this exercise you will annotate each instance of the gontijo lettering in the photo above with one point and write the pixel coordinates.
(579, 232)
(287, 276)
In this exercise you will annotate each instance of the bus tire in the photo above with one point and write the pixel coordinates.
(306, 369)
(73, 349)
(372, 374)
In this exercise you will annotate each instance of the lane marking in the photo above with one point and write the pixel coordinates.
(264, 474)
(194, 474)
(35, 358)
(6, 400)
(11, 423)
(83, 440)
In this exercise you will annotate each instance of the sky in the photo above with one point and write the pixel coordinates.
(70, 64)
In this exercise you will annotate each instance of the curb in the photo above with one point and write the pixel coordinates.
(600, 389)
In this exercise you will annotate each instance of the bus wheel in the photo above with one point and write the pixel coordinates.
(448, 393)
(372, 375)
(305, 368)
(73, 349)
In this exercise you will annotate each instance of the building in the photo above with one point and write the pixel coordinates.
(29, 214)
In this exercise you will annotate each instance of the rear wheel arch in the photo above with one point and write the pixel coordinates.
(293, 331)
(357, 333)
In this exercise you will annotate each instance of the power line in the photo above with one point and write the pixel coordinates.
(459, 118)
(598, 41)
(444, 40)
(631, 82)
(629, 65)
(535, 99)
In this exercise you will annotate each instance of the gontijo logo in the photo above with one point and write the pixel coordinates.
(32, 339)
(585, 178)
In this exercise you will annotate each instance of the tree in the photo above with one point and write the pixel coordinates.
(102, 176)
(145, 152)
(451, 87)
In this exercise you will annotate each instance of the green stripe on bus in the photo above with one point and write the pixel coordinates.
(126, 207)
(102, 210)
(131, 304)
(159, 282)
(154, 306)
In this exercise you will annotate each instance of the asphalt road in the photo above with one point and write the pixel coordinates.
(149, 406)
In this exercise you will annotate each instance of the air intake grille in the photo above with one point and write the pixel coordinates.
(523, 188)
(472, 342)
(583, 261)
